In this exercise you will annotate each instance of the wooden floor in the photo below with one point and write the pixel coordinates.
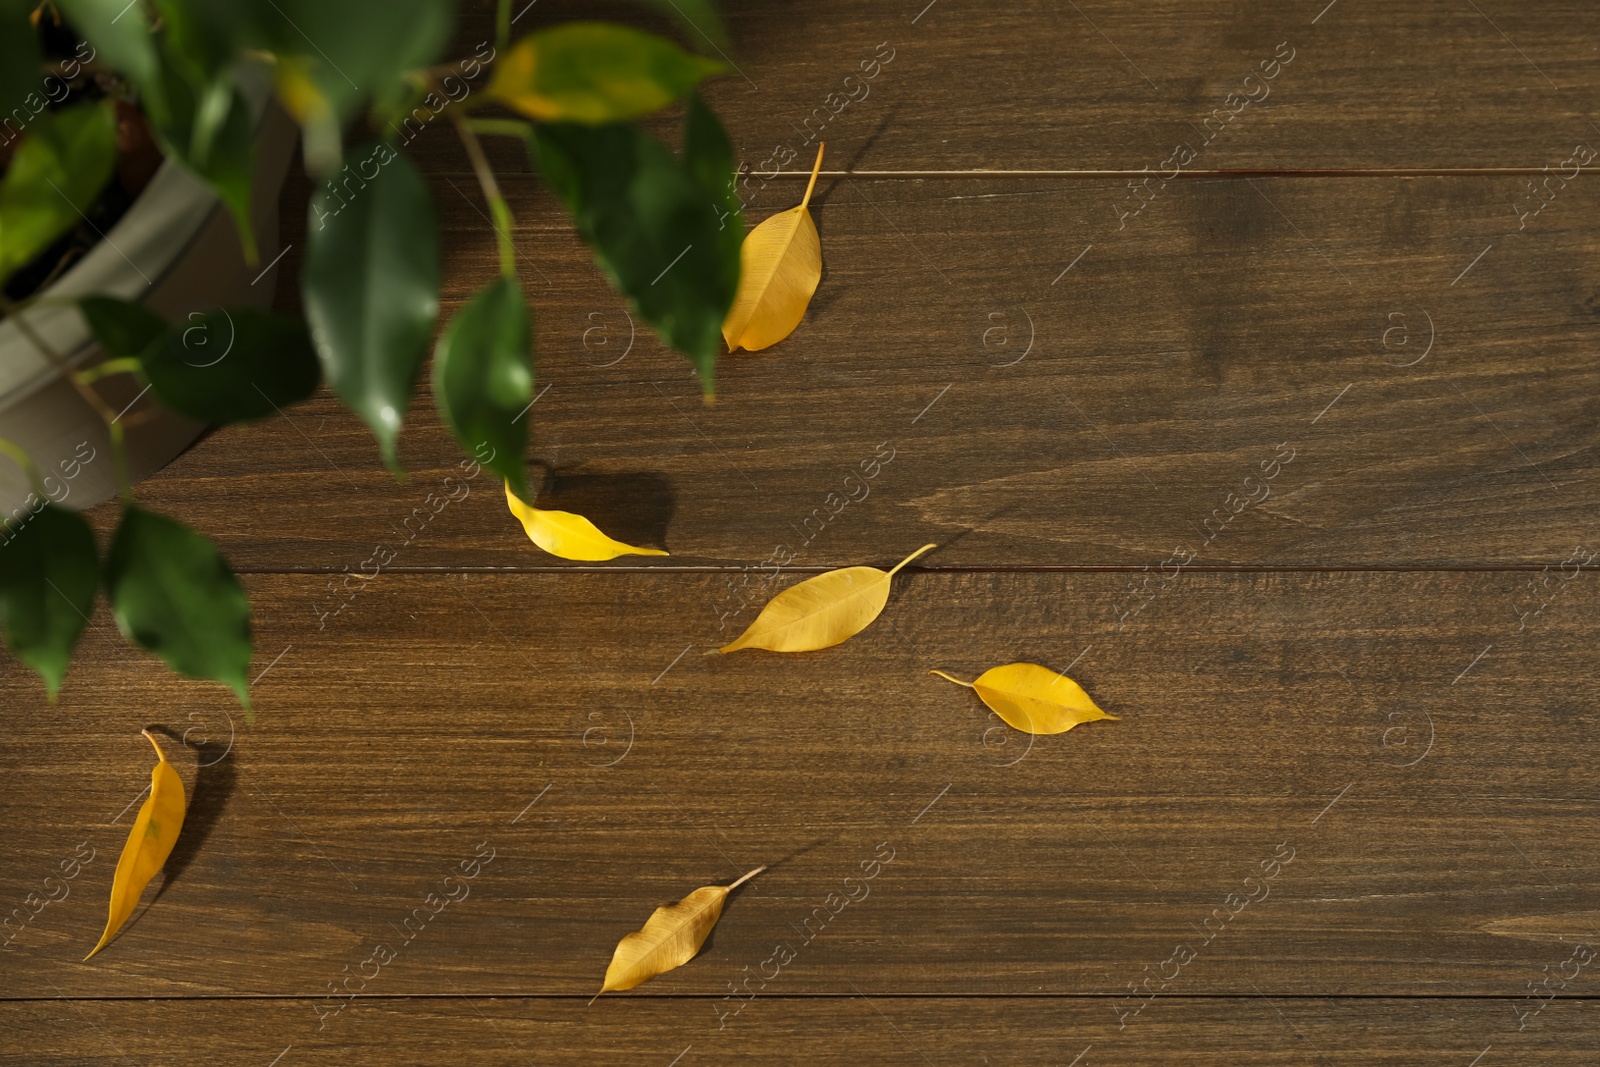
(1290, 459)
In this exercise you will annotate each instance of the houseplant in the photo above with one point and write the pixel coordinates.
(357, 77)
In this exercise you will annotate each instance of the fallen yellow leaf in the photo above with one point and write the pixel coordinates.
(780, 267)
(154, 832)
(1032, 698)
(570, 536)
(669, 939)
(821, 612)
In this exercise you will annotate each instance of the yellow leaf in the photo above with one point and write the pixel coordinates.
(821, 612)
(150, 841)
(669, 939)
(561, 533)
(1032, 698)
(779, 268)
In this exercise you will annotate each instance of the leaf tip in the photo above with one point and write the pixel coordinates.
(948, 678)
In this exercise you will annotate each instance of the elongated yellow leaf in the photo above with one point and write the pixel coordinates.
(669, 939)
(570, 536)
(780, 266)
(1032, 698)
(821, 612)
(150, 841)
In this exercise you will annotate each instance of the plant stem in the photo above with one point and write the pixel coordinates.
(125, 365)
(21, 458)
(502, 24)
(947, 678)
(815, 169)
(747, 877)
(502, 127)
(119, 461)
(498, 207)
(911, 557)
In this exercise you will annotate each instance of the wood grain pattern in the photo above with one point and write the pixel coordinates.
(1104, 85)
(1264, 1031)
(426, 718)
(1296, 473)
(1164, 369)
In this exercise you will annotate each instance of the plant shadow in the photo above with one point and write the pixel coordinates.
(632, 506)
(215, 779)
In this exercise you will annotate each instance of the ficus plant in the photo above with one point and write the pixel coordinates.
(361, 77)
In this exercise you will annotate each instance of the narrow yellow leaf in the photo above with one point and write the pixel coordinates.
(821, 612)
(150, 841)
(780, 267)
(669, 939)
(1032, 698)
(570, 536)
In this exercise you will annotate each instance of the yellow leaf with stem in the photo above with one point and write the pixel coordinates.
(669, 939)
(780, 267)
(570, 536)
(1032, 698)
(154, 832)
(821, 612)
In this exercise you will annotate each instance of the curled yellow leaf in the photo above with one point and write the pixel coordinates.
(154, 832)
(669, 939)
(570, 536)
(1032, 698)
(821, 612)
(780, 267)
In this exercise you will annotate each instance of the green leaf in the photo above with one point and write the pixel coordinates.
(49, 572)
(699, 17)
(657, 231)
(708, 153)
(55, 175)
(124, 329)
(371, 289)
(215, 142)
(329, 56)
(171, 593)
(229, 366)
(121, 36)
(21, 72)
(595, 72)
(482, 380)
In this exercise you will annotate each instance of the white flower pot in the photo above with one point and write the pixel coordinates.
(176, 251)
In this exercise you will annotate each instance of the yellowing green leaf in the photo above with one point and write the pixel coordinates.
(669, 939)
(821, 612)
(595, 72)
(780, 267)
(570, 536)
(150, 841)
(1032, 698)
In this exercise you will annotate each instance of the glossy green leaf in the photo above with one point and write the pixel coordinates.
(122, 39)
(708, 153)
(216, 143)
(124, 329)
(657, 232)
(55, 174)
(595, 72)
(371, 289)
(171, 593)
(483, 380)
(49, 572)
(329, 57)
(21, 71)
(698, 17)
(229, 366)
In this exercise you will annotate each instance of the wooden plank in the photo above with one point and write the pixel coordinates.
(1414, 759)
(1256, 1030)
(1430, 369)
(1099, 85)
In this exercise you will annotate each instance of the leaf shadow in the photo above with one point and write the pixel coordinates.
(631, 506)
(216, 777)
(827, 295)
(711, 938)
